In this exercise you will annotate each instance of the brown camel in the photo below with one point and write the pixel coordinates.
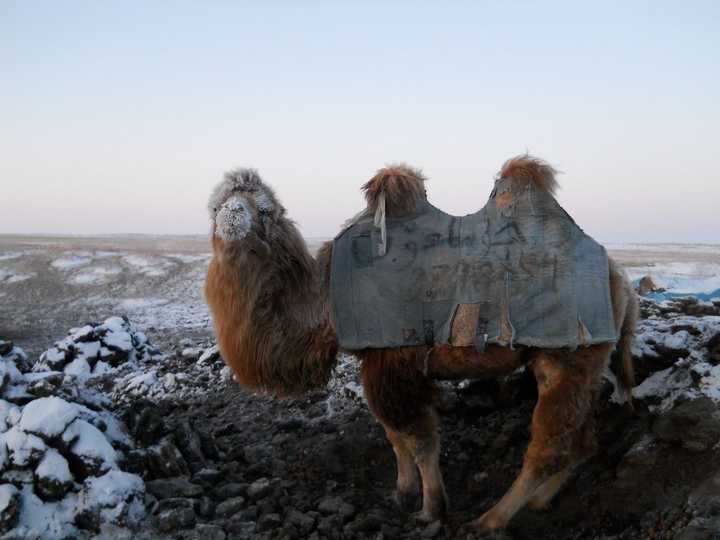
(271, 309)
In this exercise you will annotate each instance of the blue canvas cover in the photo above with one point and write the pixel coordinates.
(520, 266)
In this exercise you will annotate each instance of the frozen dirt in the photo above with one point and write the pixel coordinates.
(133, 428)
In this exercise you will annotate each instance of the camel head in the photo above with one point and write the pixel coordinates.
(399, 186)
(243, 209)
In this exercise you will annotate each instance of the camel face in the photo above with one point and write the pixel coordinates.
(242, 204)
(234, 219)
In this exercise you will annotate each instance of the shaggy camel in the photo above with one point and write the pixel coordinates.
(271, 310)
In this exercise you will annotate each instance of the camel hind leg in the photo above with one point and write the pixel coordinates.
(562, 430)
(402, 398)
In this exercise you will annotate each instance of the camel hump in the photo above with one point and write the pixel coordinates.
(526, 169)
(400, 186)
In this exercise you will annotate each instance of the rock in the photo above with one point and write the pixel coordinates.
(365, 524)
(700, 529)
(52, 477)
(695, 424)
(251, 513)
(44, 387)
(173, 487)
(23, 449)
(432, 530)
(145, 422)
(54, 359)
(10, 500)
(230, 507)
(91, 454)
(335, 505)
(305, 523)
(48, 417)
(116, 497)
(269, 522)
(173, 504)
(189, 443)
(258, 489)
(705, 499)
(240, 529)
(207, 476)
(713, 347)
(164, 460)
(205, 508)
(646, 286)
(210, 355)
(5, 347)
(329, 526)
(230, 490)
(176, 518)
(209, 532)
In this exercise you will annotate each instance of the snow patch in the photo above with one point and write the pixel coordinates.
(67, 263)
(48, 417)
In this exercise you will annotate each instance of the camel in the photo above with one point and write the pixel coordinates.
(270, 302)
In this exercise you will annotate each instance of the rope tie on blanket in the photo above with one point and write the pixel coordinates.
(507, 300)
(380, 224)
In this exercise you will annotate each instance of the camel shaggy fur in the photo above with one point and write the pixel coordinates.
(270, 305)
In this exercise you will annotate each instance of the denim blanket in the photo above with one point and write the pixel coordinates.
(517, 272)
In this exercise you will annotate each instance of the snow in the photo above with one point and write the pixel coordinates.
(188, 259)
(22, 447)
(67, 263)
(113, 488)
(96, 275)
(681, 277)
(54, 466)
(78, 368)
(119, 497)
(7, 492)
(48, 416)
(119, 341)
(9, 415)
(90, 442)
(137, 383)
(151, 268)
(10, 255)
(8, 276)
(39, 519)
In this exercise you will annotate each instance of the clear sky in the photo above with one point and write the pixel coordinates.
(121, 116)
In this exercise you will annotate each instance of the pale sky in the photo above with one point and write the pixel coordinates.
(121, 116)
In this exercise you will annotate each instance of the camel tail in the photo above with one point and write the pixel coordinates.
(627, 332)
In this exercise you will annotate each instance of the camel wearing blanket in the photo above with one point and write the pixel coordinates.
(516, 284)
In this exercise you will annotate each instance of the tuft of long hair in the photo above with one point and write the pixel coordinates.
(402, 185)
(528, 169)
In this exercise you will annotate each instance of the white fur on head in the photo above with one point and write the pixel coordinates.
(233, 219)
(248, 183)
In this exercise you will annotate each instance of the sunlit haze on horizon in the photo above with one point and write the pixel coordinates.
(121, 117)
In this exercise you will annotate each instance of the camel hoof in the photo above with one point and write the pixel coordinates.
(425, 517)
(487, 523)
(408, 501)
